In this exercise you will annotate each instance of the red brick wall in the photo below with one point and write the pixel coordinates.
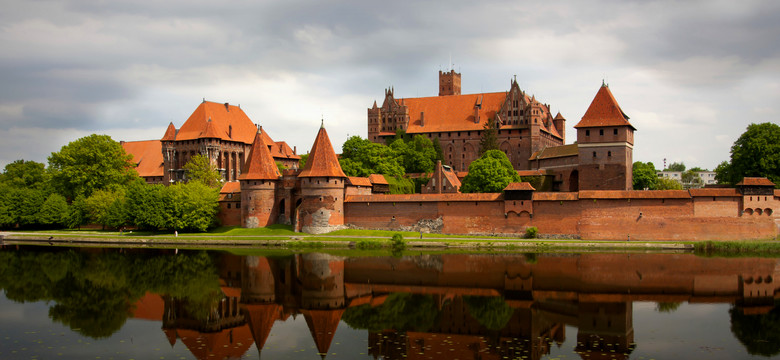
(229, 216)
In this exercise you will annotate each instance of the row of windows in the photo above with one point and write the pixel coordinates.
(601, 132)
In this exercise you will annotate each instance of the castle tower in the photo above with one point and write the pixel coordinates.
(258, 185)
(605, 140)
(560, 125)
(322, 189)
(449, 83)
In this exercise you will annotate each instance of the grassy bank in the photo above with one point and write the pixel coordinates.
(737, 248)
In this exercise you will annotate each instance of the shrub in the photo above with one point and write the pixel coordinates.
(532, 232)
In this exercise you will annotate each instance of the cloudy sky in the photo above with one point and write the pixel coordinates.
(691, 74)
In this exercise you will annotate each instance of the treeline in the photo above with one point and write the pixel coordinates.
(93, 181)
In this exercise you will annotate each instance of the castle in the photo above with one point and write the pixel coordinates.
(594, 175)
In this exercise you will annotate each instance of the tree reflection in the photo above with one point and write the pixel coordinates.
(491, 312)
(760, 334)
(94, 293)
(401, 312)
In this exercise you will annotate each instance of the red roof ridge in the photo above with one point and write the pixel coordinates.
(755, 181)
(516, 186)
(322, 160)
(604, 111)
(260, 165)
(378, 179)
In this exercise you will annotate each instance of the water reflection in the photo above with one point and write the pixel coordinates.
(415, 307)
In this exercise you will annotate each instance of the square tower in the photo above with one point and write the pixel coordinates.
(449, 83)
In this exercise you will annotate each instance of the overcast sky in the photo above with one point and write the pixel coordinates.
(690, 74)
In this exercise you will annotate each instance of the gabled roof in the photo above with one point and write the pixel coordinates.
(229, 123)
(282, 150)
(322, 160)
(147, 155)
(358, 181)
(755, 181)
(555, 152)
(452, 112)
(377, 179)
(604, 111)
(451, 178)
(230, 187)
(259, 165)
(519, 186)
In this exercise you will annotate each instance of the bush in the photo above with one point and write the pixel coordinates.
(398, 244)
(368, 244)
(532, 232)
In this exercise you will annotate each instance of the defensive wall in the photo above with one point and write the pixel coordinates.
(696, 214)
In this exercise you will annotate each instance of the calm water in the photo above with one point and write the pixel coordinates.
(161, 304)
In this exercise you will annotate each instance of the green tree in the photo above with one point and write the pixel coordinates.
(77, 212)
(491, 312)
(756, 153)
(691, 178)
(27, 174)
(54, 211)
(360, 157)
(199, 168)
(676, 166)
(420, 155)
(191, 207)
(20, 206)
(723, 173)
(437, 149)
(489, 140)
(302, 161)
(668, 184)
(90, 163)
(107, 208)
(645, 176)
(492, 172)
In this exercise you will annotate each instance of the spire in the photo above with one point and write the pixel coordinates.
(259, 164)
(604, 111)
(170, 133)
(261, 320)
(322, 325)
(322, 159)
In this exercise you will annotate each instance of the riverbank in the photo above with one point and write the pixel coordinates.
(345, 239)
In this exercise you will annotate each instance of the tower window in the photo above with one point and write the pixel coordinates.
(594, 154)
(614, 131)
(601, 131)
(609, 153)
(587, 132)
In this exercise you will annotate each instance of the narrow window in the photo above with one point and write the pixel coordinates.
(601, 131)
(609, 153)
(614, 131)
(587, 132)
(594, 154)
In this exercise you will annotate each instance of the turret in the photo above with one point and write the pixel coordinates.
(258, 180)
(605, 140)
(322, 189)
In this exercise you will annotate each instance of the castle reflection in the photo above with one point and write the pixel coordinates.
(457, 306)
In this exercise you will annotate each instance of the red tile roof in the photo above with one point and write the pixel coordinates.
(378, 179)
(755, 181)
(451, 178)
(453, 197)
(604, 111)
(259, 164)
(556, 196)
(555, 152)
(147, 155)
(518, 186)
(230, 123)
(322, 326)
(170, 133)
(714, 192)
(358, 181)
(282, 150)
(634, 194)
(322, 160)
(531, 172)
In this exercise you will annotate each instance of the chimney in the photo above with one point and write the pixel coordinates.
(295, 150)
(438, 177)
(422, 118)
(227, 108)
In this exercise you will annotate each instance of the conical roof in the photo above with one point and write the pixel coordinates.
(604, 111)
(261, 321)
(322, 160)
(322, 325)
(259, 165)
(210, 132)
(170, 133)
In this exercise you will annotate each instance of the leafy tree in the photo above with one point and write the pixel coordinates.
(199, 168)
(489, 139)
(645, 176)
(54, 211)
(676, 166)
(760, 334)
(90, 163)
(360, 157)
(107, 208)
(491, 312)
(302, 161)
(191, 207)
(77, 212)
(668, 184)
(492, 172)
(756, 153)
(27, 174)
(420, 155)
(691, 178)
(20, 206)
(437, 149)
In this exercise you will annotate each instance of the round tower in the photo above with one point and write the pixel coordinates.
(322, 189)
(258, 181)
